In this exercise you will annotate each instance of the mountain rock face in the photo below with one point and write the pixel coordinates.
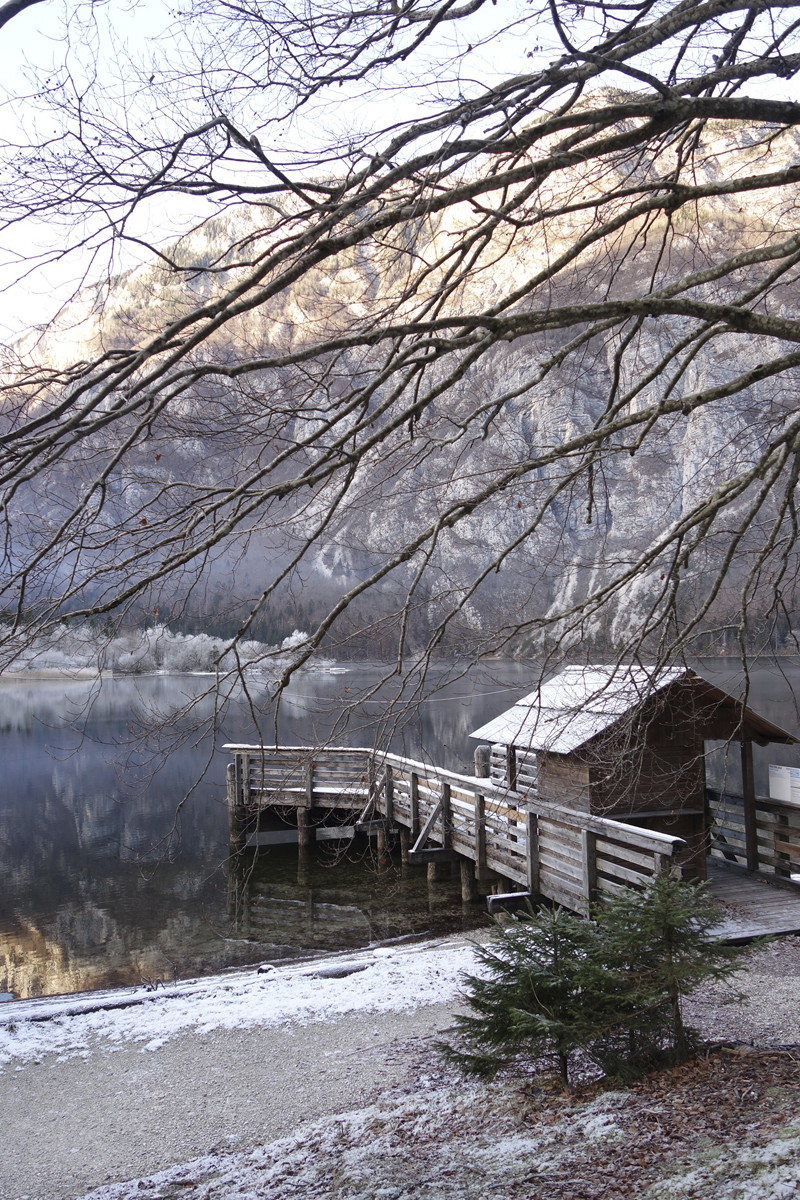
(545, 541)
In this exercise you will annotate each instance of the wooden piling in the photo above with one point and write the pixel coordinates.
(469, 891)
(305, 831)
(237, 820)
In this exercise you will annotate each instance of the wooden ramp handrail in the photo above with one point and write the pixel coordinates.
(559, 852)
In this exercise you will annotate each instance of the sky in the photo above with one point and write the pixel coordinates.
(36, 39)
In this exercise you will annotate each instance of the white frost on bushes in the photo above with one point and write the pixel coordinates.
(143, 652)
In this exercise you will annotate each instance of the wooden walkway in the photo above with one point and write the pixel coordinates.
(756, 908)
(506, 834)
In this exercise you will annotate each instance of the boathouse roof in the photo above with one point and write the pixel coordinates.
(580, 703)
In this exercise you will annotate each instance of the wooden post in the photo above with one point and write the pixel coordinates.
(245, 769)
(310, 784)
(405, 843)
(237, 823)
(483, 769)
(371, 780)
(388, 791)
(414, 800)
(589, 866)
(446, 816)
(468, 889)
(480, 836)
(532, 851)
(482, 758)
(511, 767)
(305, 831)
(783, 862)
(749, 792)
(234, 888)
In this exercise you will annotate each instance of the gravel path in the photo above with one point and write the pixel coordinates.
(69, 1126)
(769, 1014)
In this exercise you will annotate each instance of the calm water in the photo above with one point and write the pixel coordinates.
(99, 887)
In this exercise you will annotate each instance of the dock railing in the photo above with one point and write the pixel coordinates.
(777, 833)
(545, 849)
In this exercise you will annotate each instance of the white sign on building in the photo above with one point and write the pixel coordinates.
(784, 784)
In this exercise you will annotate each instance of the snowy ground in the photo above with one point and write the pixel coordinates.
(299, 1083)
(382, 980)
(458, 1142)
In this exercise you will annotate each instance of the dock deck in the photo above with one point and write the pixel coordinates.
(756, 907)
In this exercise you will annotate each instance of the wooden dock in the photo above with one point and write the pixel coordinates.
(504, 838)
(755, 907)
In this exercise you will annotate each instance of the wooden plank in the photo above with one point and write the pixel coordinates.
(464, 845)
(625, 853)
(376, 825)
(562, 865)
(562, 847)
(568, 877)
(589, 866)
(560, 872)
(552, 889)
(432, 854)
(335, 833)
(638, 838)
(606, 885)
(617, 871)
(503, 865)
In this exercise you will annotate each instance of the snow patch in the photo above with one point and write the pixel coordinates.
(409, 979)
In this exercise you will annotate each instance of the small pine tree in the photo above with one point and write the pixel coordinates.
(654, 947)
(531, 999)
(554, 982)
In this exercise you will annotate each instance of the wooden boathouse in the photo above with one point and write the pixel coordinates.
(621, 744)
(593, 782)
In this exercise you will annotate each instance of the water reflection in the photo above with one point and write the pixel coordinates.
(83, 824)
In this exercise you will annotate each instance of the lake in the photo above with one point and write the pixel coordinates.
(100, 886)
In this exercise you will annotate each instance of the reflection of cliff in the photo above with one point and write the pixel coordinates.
(82, 949)
(77, 912)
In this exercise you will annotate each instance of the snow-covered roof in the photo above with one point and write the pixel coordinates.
(581, 702)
